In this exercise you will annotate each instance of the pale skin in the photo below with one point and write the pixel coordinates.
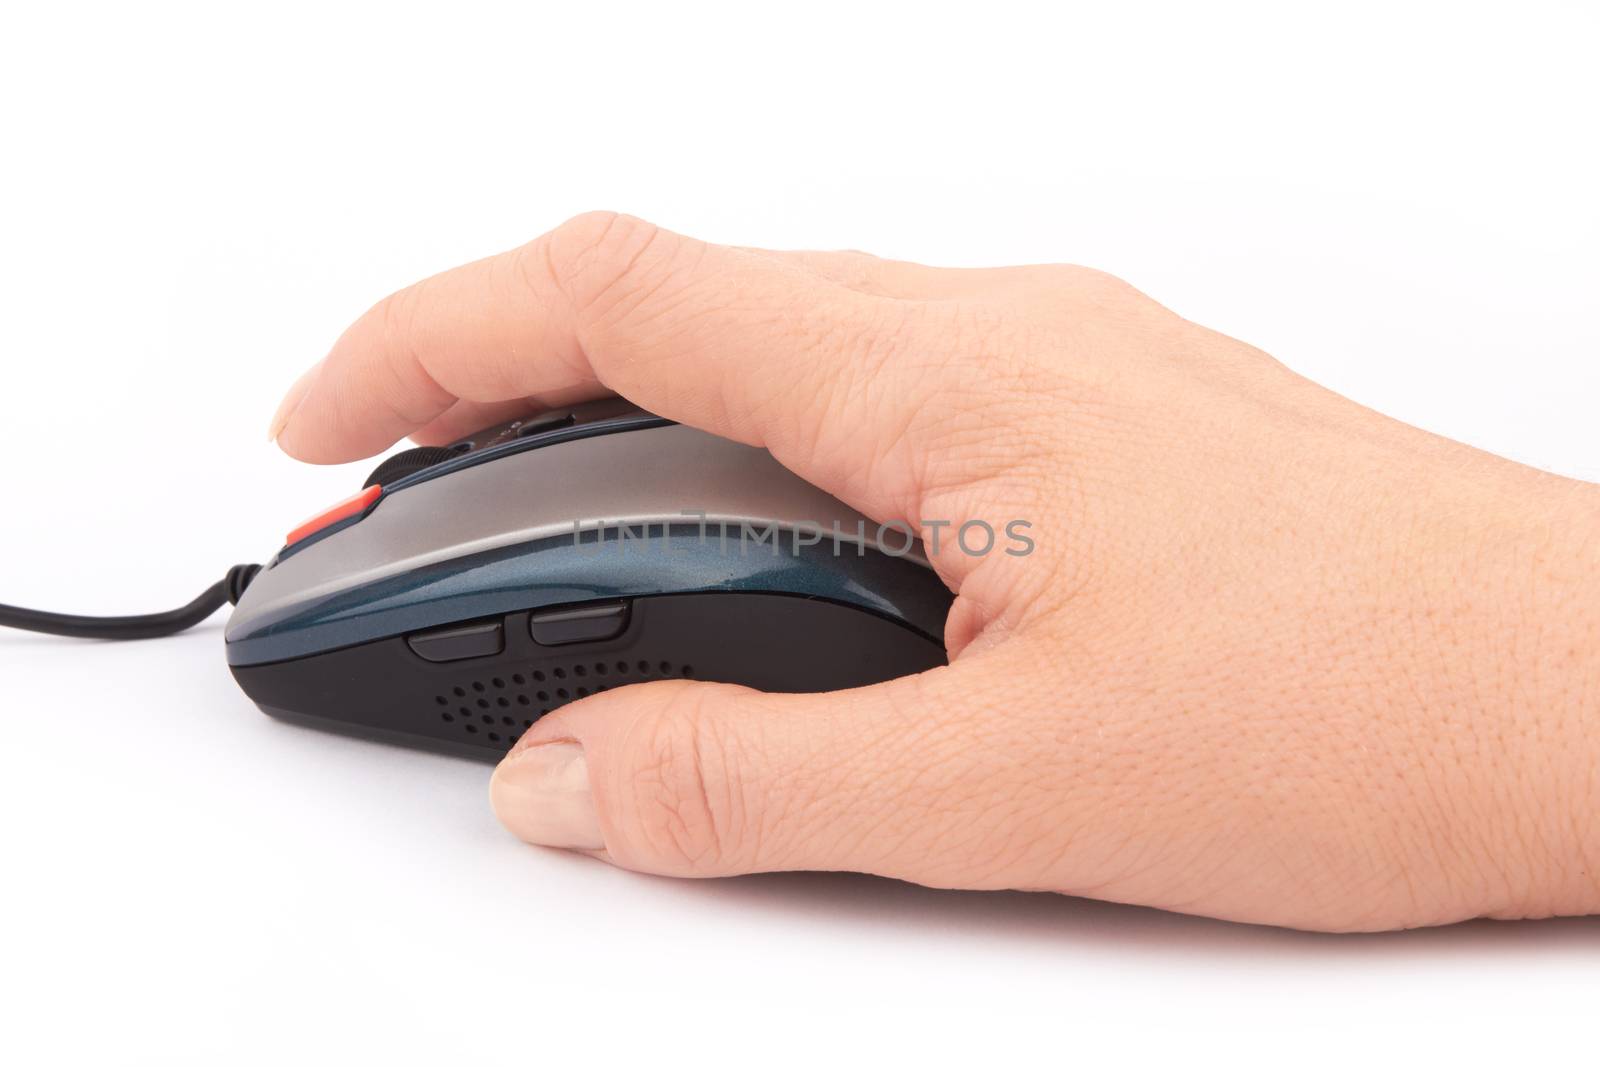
(1276, 658)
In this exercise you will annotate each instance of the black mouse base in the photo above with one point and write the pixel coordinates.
(479, 706)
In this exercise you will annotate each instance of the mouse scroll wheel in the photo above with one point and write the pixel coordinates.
(404, 464)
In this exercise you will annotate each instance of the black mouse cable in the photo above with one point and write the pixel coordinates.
(135, 627)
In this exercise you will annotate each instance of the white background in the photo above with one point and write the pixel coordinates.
(1397, 200)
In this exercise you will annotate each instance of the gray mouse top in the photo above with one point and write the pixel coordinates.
(598, 500)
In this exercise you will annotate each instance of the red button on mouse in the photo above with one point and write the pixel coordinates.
(339, 512)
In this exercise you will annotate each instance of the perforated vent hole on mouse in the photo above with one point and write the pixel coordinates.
(494, 709)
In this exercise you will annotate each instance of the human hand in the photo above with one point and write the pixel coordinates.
(1275, 658)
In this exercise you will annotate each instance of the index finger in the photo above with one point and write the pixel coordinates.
(744, 345)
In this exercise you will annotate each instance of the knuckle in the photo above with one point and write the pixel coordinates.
(1080, 280)
(686, 809)
(590, 256)
(1091, 279)
(1083, 294)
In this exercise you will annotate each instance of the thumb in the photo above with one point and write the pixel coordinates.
(697, 779)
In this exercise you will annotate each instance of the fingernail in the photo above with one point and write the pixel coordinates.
(291, 401)
(542, 795)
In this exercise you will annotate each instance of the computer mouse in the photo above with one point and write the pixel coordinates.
(470, 589)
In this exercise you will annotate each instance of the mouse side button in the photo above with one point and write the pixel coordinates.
(459, 642)
(568, 626)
